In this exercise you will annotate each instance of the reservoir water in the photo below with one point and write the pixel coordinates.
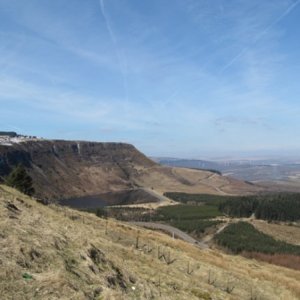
(85, 202)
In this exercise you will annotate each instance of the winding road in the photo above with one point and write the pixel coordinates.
(173, 231)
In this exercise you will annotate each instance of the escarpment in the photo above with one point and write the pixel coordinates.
(62, 169)
(70, 169)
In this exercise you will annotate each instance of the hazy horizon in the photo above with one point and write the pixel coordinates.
(274, 154)
(194, 79)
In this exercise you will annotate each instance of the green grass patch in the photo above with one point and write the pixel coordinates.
(187, 212)
(188, 218)
(207, 199)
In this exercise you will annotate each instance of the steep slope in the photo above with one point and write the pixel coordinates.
(66, 169)
(63, 169)
(51, 252)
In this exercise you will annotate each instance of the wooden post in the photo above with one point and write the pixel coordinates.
(137, 242)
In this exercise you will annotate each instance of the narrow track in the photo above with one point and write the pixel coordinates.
(173, 231)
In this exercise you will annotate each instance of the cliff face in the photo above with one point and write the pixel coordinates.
(63, 169)
(70, 169)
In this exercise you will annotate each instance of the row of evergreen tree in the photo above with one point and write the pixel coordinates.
(275, 207)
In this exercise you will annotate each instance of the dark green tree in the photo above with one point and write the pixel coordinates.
(20, 180)
(101, 212)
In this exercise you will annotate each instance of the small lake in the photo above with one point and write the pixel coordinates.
(113, 198)
(85, 202)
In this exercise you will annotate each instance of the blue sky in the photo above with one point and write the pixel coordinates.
(185, 78)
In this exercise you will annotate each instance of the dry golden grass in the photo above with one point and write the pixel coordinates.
(149, 205)
(285, 260)
(167, 179)
(284, 232)
(75, 255)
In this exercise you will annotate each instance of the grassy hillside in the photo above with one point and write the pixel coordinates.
(289, 233)
(52, 252)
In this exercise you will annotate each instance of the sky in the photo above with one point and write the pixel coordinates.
(179, 78)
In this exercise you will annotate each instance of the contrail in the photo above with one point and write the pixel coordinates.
(283, 15)
(262, 33)
(120, 57)
(107, 23)
(234, 59)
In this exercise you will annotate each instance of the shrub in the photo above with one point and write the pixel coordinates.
(20, 180)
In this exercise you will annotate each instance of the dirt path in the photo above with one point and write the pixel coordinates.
(216, 188)
(203, 244)
(158, 196)
(208, 238)
(162, 200)
(173, 231)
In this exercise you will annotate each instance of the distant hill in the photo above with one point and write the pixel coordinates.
(278, 174)
(68, 169)
(191, 163)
